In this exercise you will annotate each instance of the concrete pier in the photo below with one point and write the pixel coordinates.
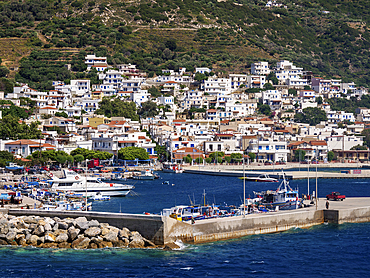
(162, 230)
(290, 175)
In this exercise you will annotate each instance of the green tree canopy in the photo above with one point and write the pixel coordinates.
(132, 153)
(90, 154)
(61, 114)
(114, 107)
(10, 128)
(216, 154)
(252, 156)
(299, 155)
(366, 134)
(264, 109)
(311, 115)
(148, 109)
(330, 156)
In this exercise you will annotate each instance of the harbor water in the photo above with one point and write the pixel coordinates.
(321, 251)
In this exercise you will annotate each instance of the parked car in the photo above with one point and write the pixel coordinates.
(46, 168)
(268, 163)
(335, 196)
(54, 168)
(77, 170)
(280, 163)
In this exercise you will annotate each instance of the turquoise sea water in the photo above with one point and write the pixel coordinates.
(321, 251)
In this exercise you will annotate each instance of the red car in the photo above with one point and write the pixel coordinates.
(46, 168)
(335, 196)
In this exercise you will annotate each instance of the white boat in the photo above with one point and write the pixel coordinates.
(144, 175)
(67, 205)
(99, 197)
(170, 167)
(90, 186)
(261, 178)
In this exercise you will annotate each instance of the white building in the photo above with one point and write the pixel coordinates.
(260, 68)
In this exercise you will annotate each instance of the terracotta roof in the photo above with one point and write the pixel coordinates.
(211, 110)
(318, 143)
(266, 119)
(22, 142)
(224, 135)
(48, 107)
(127, 142)
(142, 137)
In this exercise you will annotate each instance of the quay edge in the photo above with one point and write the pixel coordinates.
(163, 230)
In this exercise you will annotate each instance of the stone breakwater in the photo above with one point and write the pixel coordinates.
(78, 233)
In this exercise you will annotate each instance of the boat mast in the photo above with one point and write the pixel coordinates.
(308, 179)
(243, 186)
(204, 197)
(86, 187)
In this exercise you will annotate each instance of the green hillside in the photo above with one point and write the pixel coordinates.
(330, 38)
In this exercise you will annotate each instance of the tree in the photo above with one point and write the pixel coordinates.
(236, 156)
(273, 78)
(148, 109)
(162, 152)
(199, 160)
(366, 134)
(311, 115)
(264, 109)
(114, 107)
(299, 155)
(78, 158)
(319, 100)
(208, 160)
(268, 86)
(132, 153)
(61, 114)
(187, 159)
(171, 44)
(228, 159)
(330, 156)
(252, 156)
(216, 154)
(10, 128)
(358, 148)
(200, 77)
(292, 92)
(3, 71)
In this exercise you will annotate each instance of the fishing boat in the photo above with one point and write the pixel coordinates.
(283, 198)
(89, 186)
(144, 175)
(260, 178)
(115, 176)
(170, 167)
(67, 205)
(14, 167)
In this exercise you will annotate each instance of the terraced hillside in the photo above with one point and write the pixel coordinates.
(328, 37)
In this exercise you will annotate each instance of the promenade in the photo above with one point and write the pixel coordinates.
(254, 170)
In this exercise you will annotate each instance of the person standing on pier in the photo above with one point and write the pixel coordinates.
(327, 205)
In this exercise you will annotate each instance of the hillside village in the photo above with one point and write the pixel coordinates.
(198, 113)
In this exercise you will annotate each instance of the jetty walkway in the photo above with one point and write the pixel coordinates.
(237, 171)
(164, 230)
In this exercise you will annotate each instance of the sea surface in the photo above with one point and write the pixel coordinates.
(321, 251)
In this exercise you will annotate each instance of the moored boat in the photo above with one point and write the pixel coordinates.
(170, 167)
(260, 178)
(284, 197)
(89, 186)
(144, 175)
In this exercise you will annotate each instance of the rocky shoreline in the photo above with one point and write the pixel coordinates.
(78, 233)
